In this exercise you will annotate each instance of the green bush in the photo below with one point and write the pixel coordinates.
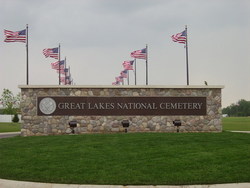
(15, 119)
(1, 111)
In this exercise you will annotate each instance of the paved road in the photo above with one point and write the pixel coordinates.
(10, 134)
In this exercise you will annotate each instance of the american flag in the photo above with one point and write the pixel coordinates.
(119, 79)
(57, 66)
(67, 80)
(180, 37)
(128, 65)
(116, 83)
(51, 52)
(63, 71)
(62, 79)
(18, 36)
(124, 74)
(140, 54)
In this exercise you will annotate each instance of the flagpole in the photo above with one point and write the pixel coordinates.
(27, 57)
(146, 64)
(70, 76)
(135, 70)
(187, 56)
(59, 49)
(65, 74)
(128, 77)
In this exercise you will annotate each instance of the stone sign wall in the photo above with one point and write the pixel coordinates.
(47, 110)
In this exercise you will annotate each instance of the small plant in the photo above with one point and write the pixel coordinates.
(15, 119)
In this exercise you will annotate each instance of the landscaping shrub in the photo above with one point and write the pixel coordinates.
(15, 119)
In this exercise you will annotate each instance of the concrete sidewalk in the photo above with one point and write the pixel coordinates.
(240, 131)
(23, 184)
(9, 134)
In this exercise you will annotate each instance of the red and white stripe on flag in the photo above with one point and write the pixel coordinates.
(51, 52)
(139, 54)
(180, 37)
(128, 65)
(15, 36)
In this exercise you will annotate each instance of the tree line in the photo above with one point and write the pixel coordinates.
(10, 103)
(241, 108)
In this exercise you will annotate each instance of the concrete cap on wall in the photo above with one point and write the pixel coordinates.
(123, 86)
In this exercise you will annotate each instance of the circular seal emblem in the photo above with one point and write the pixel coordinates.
(47, 105)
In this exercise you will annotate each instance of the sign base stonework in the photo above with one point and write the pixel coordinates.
(47, 110)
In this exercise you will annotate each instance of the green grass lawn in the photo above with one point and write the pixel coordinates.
(128, 159)
(236, 123)
(10, 127)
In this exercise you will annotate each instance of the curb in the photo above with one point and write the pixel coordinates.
(240, 131)
(24, 184)
(7, 133)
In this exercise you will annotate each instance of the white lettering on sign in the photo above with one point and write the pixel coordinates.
(101, 106)
(129, 106)
(71, 106)
(137, 106)
(180, 106)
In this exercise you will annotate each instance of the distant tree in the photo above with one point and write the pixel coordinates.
(10, 103)
(241, 108)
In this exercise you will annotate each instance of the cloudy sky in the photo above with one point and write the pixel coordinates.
(96, 36)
